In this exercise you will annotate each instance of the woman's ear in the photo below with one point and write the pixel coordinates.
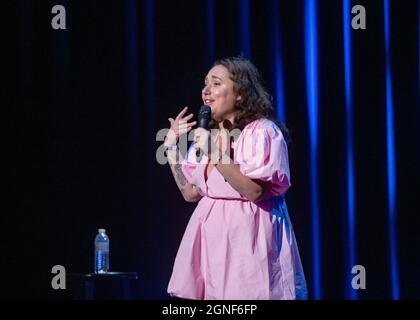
(238, 98)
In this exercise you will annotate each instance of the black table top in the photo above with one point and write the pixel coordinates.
(107, 275)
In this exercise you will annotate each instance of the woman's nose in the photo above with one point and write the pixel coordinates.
(205, 90)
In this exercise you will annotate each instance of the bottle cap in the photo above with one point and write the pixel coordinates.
(101, 230)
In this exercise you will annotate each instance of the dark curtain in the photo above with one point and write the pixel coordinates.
(86, 104)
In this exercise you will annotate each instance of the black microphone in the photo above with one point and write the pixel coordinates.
(204, 116)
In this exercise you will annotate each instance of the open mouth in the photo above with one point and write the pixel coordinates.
(208, 102)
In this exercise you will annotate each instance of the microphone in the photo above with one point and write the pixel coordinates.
(203, 122)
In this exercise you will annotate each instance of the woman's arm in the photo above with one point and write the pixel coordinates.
(180, 125)
(247, 187)
(188, 190)
(240, 182)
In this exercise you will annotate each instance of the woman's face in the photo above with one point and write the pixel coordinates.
(218, 93)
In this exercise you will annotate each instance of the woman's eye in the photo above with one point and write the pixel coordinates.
(217, 83)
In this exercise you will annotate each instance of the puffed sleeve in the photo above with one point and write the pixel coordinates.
(189, 165)
(262, 155)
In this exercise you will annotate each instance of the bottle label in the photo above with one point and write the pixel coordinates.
(102, 246)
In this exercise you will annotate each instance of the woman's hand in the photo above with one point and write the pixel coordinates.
(202, 140)
(179, 126)
(212, 145)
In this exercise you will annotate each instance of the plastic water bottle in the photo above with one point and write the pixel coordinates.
(101, 252)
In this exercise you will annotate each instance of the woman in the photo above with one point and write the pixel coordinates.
(239, 242)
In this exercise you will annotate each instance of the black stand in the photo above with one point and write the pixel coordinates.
(104, 286)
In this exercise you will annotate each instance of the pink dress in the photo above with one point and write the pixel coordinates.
(232, 248)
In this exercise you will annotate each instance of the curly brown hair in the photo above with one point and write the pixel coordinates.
(255, 102)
